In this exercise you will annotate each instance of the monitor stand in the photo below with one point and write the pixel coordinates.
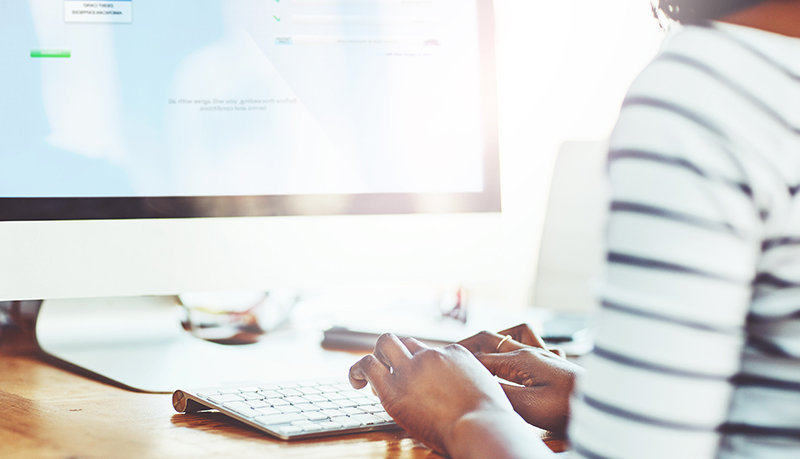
(139, 343)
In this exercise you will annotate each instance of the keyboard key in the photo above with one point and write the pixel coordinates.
(268, 411)
(347, 421)
(307, 407)
(288, 430)
(289, 385)
(315, 415)
(251, 396)
(351, 410)
(249, 389)
(312, 428)
(270, 394)
(333, 413)
(258, 403)
(327, 388)
(384, 416)
(229, 391)
(333, 396)
(330, 425)
(352, 393)
(309, 390)
(315, 398)
(288, 409)
(294, 400)
(268, 387)
(206, 394)
(363, 401)
(277, 401)
(221, 399)
(241, 408)
(366, 419)
(327, 405)
(372, 408)
(302, 422)
(290, 392)
(346, 403)
(276, 419)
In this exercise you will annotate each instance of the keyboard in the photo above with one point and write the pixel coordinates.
(292, 410)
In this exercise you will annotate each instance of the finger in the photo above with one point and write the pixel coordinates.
(391, 351)
(413, 344)
(514, 367)
(524, 334)
(506, 343)
(369, 369)
(479, 342)
(488, 342)
(559, 352)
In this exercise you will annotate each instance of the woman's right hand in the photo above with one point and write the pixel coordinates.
(545, 379)
(443, 397)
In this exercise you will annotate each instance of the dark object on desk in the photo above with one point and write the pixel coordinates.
(566, 327)
(342, 338)
(17, 324)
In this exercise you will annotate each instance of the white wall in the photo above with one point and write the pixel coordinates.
(564, 67)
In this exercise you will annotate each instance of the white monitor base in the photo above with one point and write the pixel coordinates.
(138, 343)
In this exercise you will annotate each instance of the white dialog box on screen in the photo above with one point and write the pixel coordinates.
(116, 11)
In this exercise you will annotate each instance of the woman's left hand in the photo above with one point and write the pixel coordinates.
(545, 379)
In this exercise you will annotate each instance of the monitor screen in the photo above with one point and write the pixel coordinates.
(193, 108)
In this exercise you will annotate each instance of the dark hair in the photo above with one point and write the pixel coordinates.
(699, 11)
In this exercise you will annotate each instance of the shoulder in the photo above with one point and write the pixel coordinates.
(738, 59)
(726, 96)
(737, 83)
(678, 109)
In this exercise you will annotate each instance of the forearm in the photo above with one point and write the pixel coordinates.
(497, 435)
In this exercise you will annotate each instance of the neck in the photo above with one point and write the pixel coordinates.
(778, 16)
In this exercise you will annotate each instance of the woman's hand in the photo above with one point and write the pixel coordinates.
(438, 395)
(545, 378)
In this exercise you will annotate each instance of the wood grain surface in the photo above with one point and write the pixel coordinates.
(48, 412)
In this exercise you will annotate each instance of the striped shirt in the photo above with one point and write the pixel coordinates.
(698, 346)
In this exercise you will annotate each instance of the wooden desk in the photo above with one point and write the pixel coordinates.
(47, 412)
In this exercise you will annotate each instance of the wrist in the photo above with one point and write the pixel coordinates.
(497, 434)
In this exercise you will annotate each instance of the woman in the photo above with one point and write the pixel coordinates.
(698, 346)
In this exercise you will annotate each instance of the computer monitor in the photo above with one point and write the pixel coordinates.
(156, 148)
(125, 125)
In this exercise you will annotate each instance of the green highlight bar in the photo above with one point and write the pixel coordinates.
(58, 53)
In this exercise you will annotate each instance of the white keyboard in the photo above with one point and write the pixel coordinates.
(292, 410)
